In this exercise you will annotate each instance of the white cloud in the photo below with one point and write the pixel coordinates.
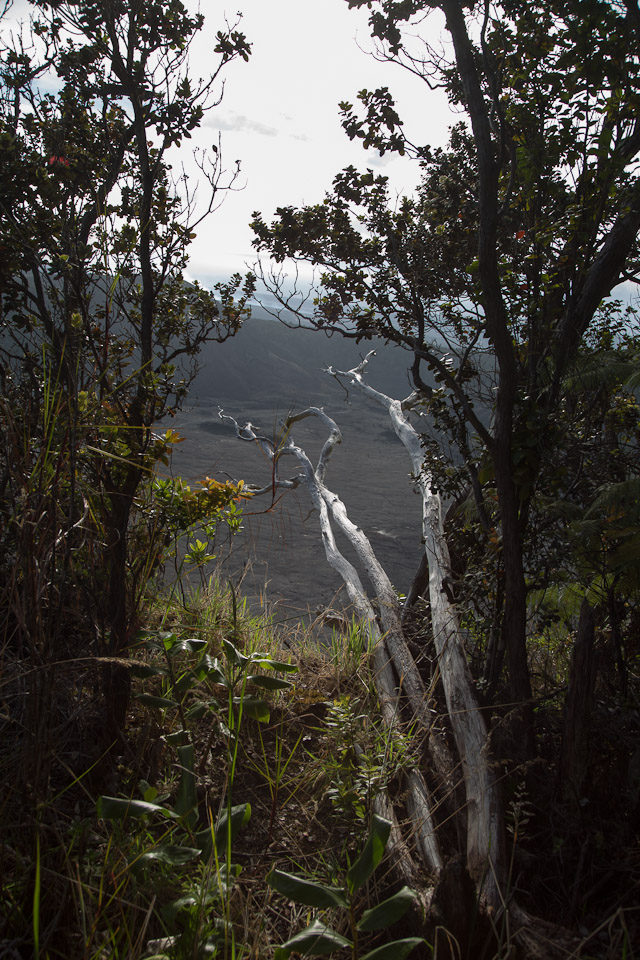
(373, 159)
(240, 123)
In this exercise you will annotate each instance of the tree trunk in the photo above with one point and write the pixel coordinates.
(574, 756)
(514, 623)
(398, 685)
(116, 678)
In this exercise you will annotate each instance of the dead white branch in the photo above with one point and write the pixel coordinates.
(387, 688)
(484, 836)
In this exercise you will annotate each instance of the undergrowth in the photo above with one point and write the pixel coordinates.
(230, 819)
(235, 762)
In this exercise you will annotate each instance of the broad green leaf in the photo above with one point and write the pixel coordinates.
(171, 853)
(168, 640)
(176, 907)
(186, 804)
(209, 667)
(185, 682)
(206, 896)
(396, 950)
(117, 808)
(270, 683)
(240, 816)
(316, 940)
(162, 703)
(254, 707)
(275, 665)
(163, 947)
(305, 891)
(371, 855)
(199, 709)
(193, 644)
(388, 912)
(485, 473)
(178, 739)
(233, 655)
(144, 670)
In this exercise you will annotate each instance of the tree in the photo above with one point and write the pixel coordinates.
(518, 233)
(100, 330)
(497, 278)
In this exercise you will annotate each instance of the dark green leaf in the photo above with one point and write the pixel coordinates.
(240, 816)
(209, 667)
(178, 739)
(199, 709)
(162, 703)
(316, 940)
(192, 645)
(117, 808)
(270, 683)
(143, 670)
(176, 907)
(185, 682)
(388, 912)
(254, 707)
(168, 640)
(276, 665)
(233, 655)
(149, 793)
(173, 854)
(396, 950)
(308, 892)
(186, 804)
(371, 855)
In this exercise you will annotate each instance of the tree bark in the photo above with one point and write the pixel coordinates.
(574, 755)
(514, 622)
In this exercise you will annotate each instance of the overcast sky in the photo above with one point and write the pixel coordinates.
(279, 116)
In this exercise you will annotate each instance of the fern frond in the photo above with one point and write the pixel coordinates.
(614, 498)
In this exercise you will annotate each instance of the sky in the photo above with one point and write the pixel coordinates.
(279, 115)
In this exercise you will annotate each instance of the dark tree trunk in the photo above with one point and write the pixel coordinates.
(575, 739)
(617, 640)
(117, 682)
(514, 621)
(494, 658)
(418, 586)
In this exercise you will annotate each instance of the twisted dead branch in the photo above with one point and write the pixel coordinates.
(400, 687)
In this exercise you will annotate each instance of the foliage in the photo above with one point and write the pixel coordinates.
(99, 330)
(496, 272)
(187, 690)
(360, 762)
(319, 939)
(175, 509)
